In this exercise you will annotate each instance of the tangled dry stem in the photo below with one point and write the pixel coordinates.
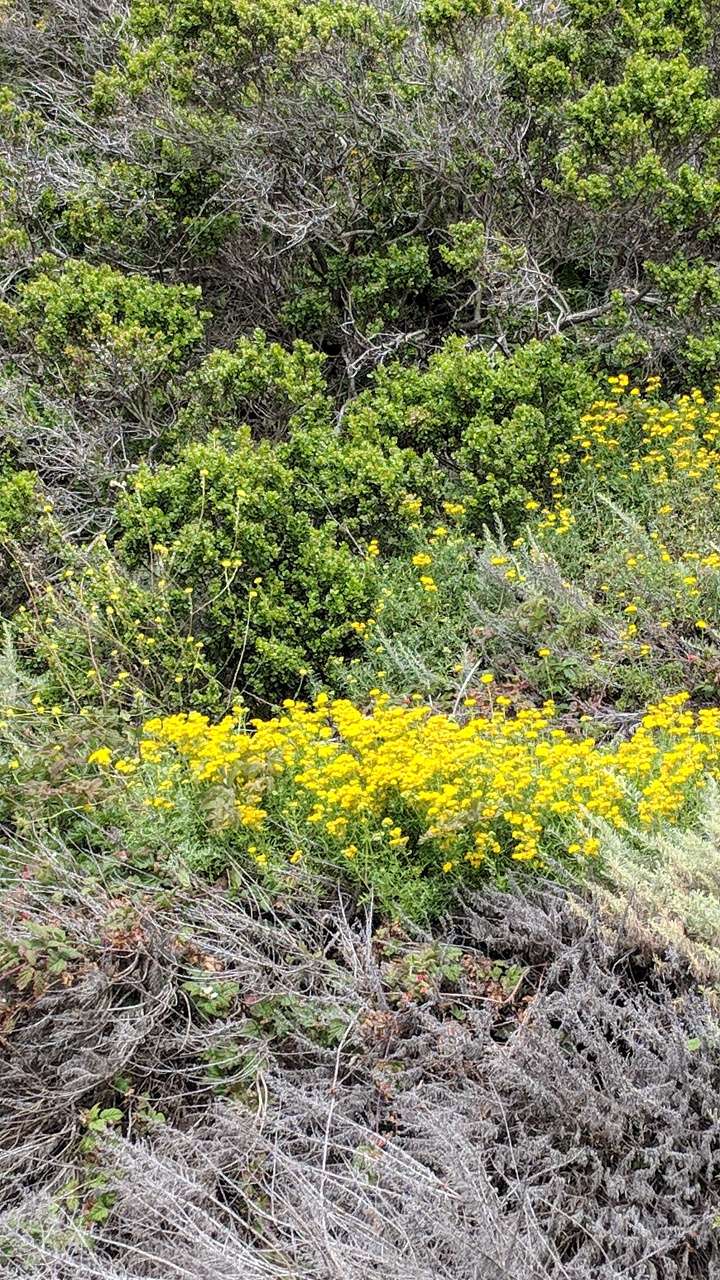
(564, 1128)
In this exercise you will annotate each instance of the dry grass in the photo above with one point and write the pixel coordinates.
(665, 892)
(550, 1114)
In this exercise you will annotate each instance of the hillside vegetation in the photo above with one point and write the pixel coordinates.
(360, 655)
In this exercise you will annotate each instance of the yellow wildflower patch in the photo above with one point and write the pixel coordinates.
(430, 786)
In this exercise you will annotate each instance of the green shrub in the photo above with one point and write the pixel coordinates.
(259, 384)
(178, 40)
(498, 424)
(367, 488)
(441, 18)
(276, 593)
(96, 364)
(625, 138)
(383, 285)
(18, 500)
(20, 509)
(79, 319)
(237, 566)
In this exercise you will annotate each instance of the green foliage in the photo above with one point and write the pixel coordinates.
(251, 42)
(281, 1016)
(21, 533)
(102, 635)
(384, 284)
(369, 488)
(441, 18)
(238, 566)
(660, 26)
(625, 138)
(225, 535)
(420, 240)
(417, 972)
(424, 641)
(167, 197)
(608, 599)
(262, 385)
(39, 960)
(311, 162)
(18, 500)
(501, 423)
(75, 316)
(690, 292)
(213, 997)
(467, 248)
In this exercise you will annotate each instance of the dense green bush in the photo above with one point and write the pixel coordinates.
(497, 425)
(263, 40)
(259, 384)
(79, 319)
(362, 482)
(222, 539)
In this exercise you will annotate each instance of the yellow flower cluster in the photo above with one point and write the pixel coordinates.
(662, 442)
(660, 463)
(558, 518)
(409, 779)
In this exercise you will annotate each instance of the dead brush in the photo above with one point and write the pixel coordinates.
(220, 1086)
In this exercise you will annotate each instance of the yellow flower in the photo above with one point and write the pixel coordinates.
(250, 815)
(412, 505)
(495, 784)
(102, 757)
(543, 653)
(487, 677)
(421, 559)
